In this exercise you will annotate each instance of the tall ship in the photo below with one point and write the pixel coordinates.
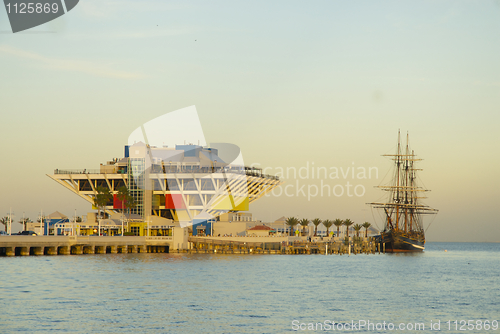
(403, 227)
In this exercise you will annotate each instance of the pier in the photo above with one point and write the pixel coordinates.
(25, 245)
(281, 245)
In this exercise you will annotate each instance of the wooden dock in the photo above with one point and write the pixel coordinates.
(285, 246)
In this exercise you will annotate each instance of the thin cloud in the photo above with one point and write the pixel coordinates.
(154, 33)
(105, 9)
(82, 66)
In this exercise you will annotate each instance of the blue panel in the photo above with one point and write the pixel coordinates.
(189, 150)
(206, 223)
(127, 151)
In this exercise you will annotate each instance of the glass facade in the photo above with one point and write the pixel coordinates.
(136, 182)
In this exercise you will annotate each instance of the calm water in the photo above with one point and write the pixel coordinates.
(201, 293)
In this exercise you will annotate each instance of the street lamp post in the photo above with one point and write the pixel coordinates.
(41, 222)
(74, 225)
(9, 226)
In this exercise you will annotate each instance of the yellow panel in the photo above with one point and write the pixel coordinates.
(243, 205)
(182, 215)
(230, 203)
(174, 215)
(223, 204)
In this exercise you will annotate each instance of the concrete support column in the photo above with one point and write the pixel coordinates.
(65, 250)
(77, 250)
(51, 250)
(89, 249)
(114, 249)
(100, 249)
(25, 251)
(143, 249)
(10, 251)
(123, 249)
(38, 250)
(132, 249)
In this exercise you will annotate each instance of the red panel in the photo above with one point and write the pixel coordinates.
(117, 204)
(174, 201)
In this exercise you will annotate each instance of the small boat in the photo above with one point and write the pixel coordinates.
(403, 227)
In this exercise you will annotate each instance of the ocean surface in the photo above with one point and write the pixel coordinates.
(202, 293)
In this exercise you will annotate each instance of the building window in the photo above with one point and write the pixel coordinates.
(135, 230)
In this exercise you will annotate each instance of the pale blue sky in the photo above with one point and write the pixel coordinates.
(290, 82)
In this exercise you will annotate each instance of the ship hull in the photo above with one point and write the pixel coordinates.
(398, 242)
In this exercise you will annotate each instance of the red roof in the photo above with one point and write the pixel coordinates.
(260, 228)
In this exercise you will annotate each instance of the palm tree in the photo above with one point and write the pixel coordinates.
(130, 203)
(338, 222)
(24, 222)
(366, 225)
(356, 228)
(327, 223)
(5, 222)
(304, 223)
(101, 199)
(291, 221)
(316, 222)
(348, 223)
(122, 196)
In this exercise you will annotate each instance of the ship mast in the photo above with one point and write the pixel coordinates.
(407, 184)
(413, 198)
(398, 162)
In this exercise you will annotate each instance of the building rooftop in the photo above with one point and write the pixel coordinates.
(260, 228)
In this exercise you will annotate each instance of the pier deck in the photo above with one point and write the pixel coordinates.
(281, 245)
(64, 245)
(24, 245)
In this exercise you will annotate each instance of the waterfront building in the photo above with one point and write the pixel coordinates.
(260, 231)
(54, 223)
(181, 186)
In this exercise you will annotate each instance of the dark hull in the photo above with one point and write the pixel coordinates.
(397, 241)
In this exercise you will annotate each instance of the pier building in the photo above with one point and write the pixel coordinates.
(177, 186)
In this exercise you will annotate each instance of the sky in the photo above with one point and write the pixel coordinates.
(292, 83)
